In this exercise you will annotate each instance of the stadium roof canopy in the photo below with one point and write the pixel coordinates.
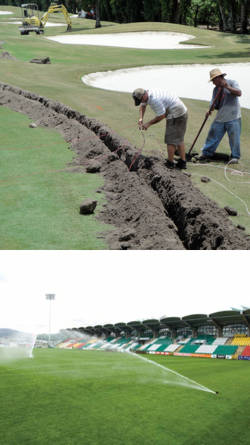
(197, 320)
(137, 326)
(123, 327)
(173, 322)
(228, 318)
(194, 321)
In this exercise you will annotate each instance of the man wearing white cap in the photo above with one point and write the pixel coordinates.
(169, 106)
(228, 117)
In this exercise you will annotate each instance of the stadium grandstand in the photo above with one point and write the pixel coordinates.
(221, 335)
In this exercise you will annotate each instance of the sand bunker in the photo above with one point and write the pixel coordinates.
(190, 81)
(139, 40)
(5, 12)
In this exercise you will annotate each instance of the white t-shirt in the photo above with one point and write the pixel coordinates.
(162, 101)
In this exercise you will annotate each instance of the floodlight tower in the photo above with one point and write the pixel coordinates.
(50, 297)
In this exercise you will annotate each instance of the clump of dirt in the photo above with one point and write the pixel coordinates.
(43, 60)
(150, 206)
(6, 55)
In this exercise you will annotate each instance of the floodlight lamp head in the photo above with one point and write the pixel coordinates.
(50, 296)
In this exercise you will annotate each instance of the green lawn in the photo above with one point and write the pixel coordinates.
(62, 81)
(101, 398)
(39, 198)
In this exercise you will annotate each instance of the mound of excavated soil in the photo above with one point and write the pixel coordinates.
(150, 206)
(6, 55)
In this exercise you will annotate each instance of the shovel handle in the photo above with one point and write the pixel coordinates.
(205, 120)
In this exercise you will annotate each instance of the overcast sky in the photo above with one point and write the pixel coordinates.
(108, 287)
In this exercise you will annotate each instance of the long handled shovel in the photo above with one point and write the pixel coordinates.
(188, 155)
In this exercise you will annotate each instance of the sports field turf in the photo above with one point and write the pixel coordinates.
(107, 398)
(61, 81)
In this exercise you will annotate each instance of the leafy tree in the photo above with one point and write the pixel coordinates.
(152, 10)
(244, 15)
(105, 10)
(229, 15)
(97, 13)
(203, 12)
(228, 11)
(118, 10)
(184, 8)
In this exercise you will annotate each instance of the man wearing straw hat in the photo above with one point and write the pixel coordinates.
(228, 117)
(169, 106)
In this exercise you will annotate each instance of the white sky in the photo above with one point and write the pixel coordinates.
(95, 287)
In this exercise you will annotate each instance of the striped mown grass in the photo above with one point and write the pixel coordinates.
(101, 398)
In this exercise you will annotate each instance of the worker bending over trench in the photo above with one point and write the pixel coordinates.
(170, 107)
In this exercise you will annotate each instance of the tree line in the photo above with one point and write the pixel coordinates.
(224, 15)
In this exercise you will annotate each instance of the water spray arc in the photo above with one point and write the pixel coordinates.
(50, 297)
(100, 344)
(184, 381)
(16, 345)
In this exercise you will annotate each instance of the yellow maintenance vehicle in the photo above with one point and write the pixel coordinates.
(33, 23)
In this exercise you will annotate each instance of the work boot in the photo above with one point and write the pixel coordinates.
(203, 158)
(234, 161)
(181, 164)
(169, 164)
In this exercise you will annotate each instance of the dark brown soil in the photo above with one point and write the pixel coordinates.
(150, 206)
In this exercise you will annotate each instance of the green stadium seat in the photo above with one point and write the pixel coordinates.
(225, 350)
(189, 349)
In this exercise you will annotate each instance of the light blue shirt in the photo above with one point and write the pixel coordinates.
(229, 109)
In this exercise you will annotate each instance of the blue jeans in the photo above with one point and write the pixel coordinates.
(216, 133)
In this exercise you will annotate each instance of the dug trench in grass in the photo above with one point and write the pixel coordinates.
(160, 208)
(159, 100)
(87, 147)
(220, 156)
(228, 171)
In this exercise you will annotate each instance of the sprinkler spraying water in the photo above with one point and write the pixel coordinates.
(172, 377)
(16, 345)
(179, 380)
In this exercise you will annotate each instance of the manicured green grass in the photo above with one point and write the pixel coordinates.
(39, 198)
(62, 81)
(100, 398)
